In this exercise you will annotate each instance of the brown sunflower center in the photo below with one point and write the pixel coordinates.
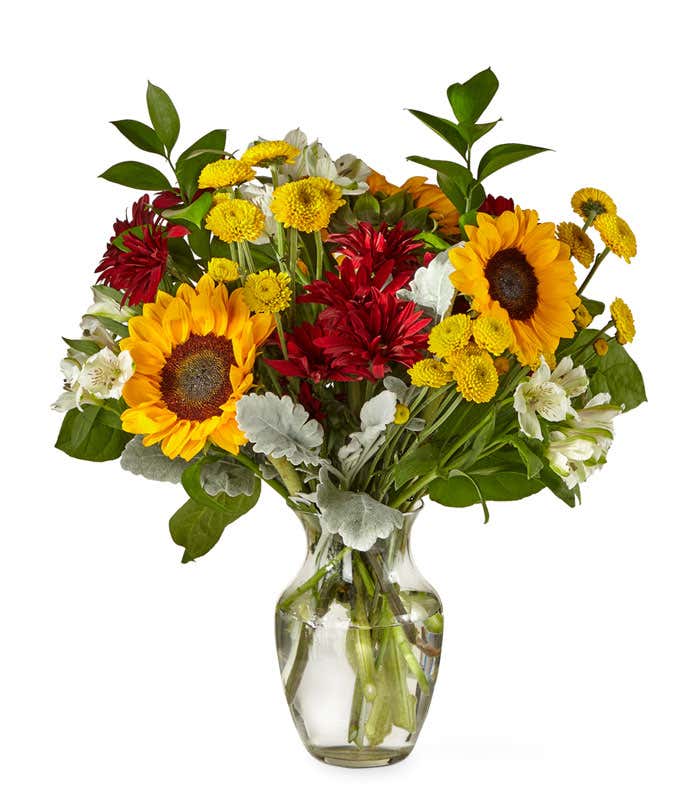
(513, 283)
(195, 378)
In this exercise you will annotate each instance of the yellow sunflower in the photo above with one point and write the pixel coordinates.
(194, 357)
(513, 267)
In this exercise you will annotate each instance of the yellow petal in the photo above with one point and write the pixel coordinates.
(148, 330)
(177, 321)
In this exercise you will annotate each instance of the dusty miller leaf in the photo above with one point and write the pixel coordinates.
(150, 462)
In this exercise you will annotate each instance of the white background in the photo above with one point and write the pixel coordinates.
(123, 671)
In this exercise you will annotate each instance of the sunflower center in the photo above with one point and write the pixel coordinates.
(195, 378)
(513, 283)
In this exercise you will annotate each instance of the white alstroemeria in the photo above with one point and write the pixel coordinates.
(314, 160)
(572, 379)
(70, 369)
(375, 415)
(93, 330)
(261, 197)
(579, 447)
(279, 428)
(431, 286)
(539, 395)
(104, 374)
(358, 518)
(106, 306)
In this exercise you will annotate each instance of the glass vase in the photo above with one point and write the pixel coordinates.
(359, 636)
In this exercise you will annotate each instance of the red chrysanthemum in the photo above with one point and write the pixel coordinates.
(138, 265)
(310, 402)
(305, 358)
(496, 206)
(384, 258)
(366, 336)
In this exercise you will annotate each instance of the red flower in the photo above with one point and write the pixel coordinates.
(496, 206)
(310, 402)
(367, 335)
(383, 258)
(305, 357)
(137, 271)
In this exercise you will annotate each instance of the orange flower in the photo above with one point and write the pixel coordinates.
(424, 195)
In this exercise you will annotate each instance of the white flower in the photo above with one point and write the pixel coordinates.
(93, 329)
(261, 197)
(106, 306)
(579, 447)
(70, 369)
(279, 428)
(540, 395)
(104, 374)
(375, 415)
(431, 286)
(572, 379)
(314, 160)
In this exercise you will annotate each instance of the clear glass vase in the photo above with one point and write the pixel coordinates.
(359, 637)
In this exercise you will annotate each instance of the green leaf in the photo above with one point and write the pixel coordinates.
(199, 241)
(619, 375)
(194, 159)
(452, 192)
(86, 346)
(182, 260)
(415, 463)
(448, 130)
(163, 115)
(92, 434)
(470, 99)
(532, 461)
(473, 132)
(557, 485)
(140, 134)
(193, 213)
(137, 175)
(458, 173)
(197, 526)
(433, 241)
(467, 219)
(416, 219)
(499, 486)
(504, 154)
(367, 208)
(120, 329)
(594, 308)
(392, 208)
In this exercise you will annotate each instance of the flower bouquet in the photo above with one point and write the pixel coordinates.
(277, 316)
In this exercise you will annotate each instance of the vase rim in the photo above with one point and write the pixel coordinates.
(414, 511)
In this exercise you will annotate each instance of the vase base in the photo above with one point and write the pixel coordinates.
(359, 758)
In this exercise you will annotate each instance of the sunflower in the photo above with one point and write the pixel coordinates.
(514, 268)
(582, 247)
(617, 235)
(589, 202)
(194, 357)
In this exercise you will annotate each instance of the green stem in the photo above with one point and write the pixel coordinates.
(312, 581)
(286, 471)
(282, 336)
(319, 254)
(592, 271)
